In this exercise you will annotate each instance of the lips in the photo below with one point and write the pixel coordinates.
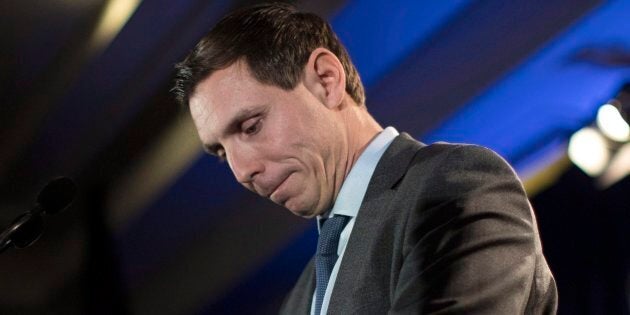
(274, 194)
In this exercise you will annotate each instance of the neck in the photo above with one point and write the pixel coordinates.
(360, 129)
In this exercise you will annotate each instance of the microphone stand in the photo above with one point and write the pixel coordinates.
(16, 228)
(28, 227)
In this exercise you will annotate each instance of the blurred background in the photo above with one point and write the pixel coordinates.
(159, 228)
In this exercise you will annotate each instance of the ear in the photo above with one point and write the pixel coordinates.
(325, 78)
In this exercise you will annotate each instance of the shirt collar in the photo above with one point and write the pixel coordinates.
(355, 185)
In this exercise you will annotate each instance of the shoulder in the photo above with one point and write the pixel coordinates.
(462, 209)
(448, 181)
(448, 163)
(458, 154)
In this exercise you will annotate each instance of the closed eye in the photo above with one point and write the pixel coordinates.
(252, 125)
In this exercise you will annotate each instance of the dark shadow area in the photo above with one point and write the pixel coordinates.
(585, 239)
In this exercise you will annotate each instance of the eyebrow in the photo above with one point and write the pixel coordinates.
(233, 125)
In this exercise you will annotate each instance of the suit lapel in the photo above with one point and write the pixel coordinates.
(389, 170)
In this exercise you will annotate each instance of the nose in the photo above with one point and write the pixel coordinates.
(245, 165)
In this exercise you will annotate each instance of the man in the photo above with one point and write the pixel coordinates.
(404, 227)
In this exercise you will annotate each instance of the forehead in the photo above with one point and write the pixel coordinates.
(221, 84)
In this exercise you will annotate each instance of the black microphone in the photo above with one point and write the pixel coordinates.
(28, 227)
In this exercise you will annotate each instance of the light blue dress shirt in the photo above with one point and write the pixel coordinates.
(350, 198)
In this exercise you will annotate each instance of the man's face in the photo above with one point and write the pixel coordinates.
(282, 145)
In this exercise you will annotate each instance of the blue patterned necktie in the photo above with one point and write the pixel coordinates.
(326, 255)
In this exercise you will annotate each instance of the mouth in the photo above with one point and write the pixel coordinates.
(275, 194)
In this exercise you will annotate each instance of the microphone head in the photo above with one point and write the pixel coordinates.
(57, 195)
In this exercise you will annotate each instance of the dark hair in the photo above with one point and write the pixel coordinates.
(275, 41)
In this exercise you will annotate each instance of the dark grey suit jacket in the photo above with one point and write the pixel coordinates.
(443, 229)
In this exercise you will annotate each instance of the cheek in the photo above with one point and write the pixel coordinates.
(303, 135)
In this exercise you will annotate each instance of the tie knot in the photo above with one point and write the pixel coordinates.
(329, 234)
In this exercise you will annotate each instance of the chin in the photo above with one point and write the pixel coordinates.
(304, 212)
(301, 210)
(305, 215)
